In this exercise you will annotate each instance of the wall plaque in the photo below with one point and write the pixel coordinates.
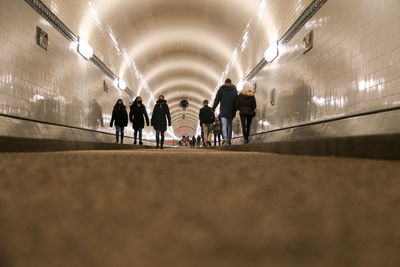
(105, 86)
(308, 42)
(273, 92)
(42, 38)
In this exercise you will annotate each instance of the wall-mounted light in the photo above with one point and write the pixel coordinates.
(84, 49)
(121, 84)
(272, 52)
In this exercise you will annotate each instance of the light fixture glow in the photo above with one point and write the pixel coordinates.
(272, 52)
(84, 49)
(240, 86)
(121, 84)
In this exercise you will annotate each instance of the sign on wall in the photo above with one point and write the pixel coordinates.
(308, 42)
(273, 92)
(42, 38)
(105, 86)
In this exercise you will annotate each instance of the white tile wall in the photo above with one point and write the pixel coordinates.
(354, 66)
(57, 85)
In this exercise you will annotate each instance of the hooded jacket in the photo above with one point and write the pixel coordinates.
(246, 103)
(226, 96)
(160, 116)
(119, 116)
(137, 115)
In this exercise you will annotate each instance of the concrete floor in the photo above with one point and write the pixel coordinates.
(197, 208)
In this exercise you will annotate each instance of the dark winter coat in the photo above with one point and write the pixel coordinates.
(226, 96)
(206, 115)
(137, 115)
(160, 116)
(119, 116)
(246, 103)
(217, 127)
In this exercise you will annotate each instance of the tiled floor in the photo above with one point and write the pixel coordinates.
(197, 208)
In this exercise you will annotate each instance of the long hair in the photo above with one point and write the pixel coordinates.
(116, 104)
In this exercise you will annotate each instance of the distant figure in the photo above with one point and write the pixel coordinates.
(137, 115)
(207, 119)
(194, 141)
(217, 131)
(198, 140)
(159, 120)
(246, 104)
(120, 117)
(226, 96)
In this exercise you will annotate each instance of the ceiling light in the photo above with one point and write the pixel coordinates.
(84, 49)
(272, 52)
(121, 84)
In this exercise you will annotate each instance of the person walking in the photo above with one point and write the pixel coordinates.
(198, 141)
(226, 96)
(159, 120)
(246, 104)
(217, 131)
(138, 115)
(119, 118)
(207, 119)
(193, 141)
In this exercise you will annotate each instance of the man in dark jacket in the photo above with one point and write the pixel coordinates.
(226, 96)
(207, 118)
(137, 115)
(120, 117)
(159, 120)
(246, 104)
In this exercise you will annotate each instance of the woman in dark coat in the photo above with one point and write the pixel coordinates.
(246, 104)
(120, 119)
(217, 131)
(137, 115)
(159, 120)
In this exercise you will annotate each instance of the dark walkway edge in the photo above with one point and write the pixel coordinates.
(373, 147)
(13, 144)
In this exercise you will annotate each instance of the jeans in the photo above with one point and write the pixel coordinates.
(117, 130)
(140, 134)
(207, 129)
(246, 124)
(217, 136)
(226, 129)
(158, 133)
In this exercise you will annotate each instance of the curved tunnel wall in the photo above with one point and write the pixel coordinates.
(352, 68)
(55, 86)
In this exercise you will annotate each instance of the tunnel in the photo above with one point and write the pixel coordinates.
(280, 125)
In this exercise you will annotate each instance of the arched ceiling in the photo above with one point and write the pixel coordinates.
(182, 49)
